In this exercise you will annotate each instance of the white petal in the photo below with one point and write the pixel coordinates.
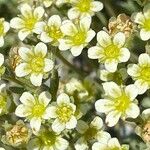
(76, 50)
(22, 111)
(95, 52)
(133, 111)
(23, 34)
(72, 123)
(112, 118)
(44, 98)
(132, 91)
(39, 26)
(36, 80)
(124, 55)
(51, 112)
(57, 126)
(16, 23)
(26, 10)
(103, 106)
(90, 36)
(138, 18)
(45, 38)
(64, 45)
(103, 75)
(142, 86)
(96, 6)
(82, 126)
(81, 144)
(6, 26)
(61, 144)
(103, 39)
(1, 59)
(114, 143)
(68, 28)
(63, 98)
(39, 12)
(35, 124)
(85, 23)
(73, 13)
(103, 136)
(111, 66)
(24, 53)
(21, 70)
(1, 41)
(99, 146)
(133, 70)
(144, 59)
(144, 34)
(49, 64)
(97, 122)
(54, 20)
(27, 99)
(40, 48)
(119, 39)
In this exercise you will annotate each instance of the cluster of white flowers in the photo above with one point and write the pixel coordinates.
(71, 116)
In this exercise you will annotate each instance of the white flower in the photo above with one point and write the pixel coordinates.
(34, 63)
(4, 27)
(112, 144)
(119, 102)
(48, 140)
(64, 113)
(51, 31)
(143, 19)
(34, 108)
(77, 36)
(1, 148)
(47, 3)
(28, 22)
(141, 73)
(110, 51)
(84, 8)
(90, 132)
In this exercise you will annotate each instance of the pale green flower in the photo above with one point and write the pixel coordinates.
(84, 8)
(141, 73)
(76, 35)
(4, 27)
(110, 51)
(28, 22)
(64, 114)
(119, 102)
(34, 108)
(35, 63)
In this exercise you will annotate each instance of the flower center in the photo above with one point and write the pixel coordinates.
(122, 103)
(79, 38)
(1, 28)
(147, 24)
(64, 112)
(37, 64)
(84, 5)
(90, 133)
(38, 110)
(48, 138)
(145, 73)
(54, 32)
(30, 22)
(112, 51)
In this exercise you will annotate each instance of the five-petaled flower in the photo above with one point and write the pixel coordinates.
(119, 102)
(35, 63)
(110, 51)
(28, 22)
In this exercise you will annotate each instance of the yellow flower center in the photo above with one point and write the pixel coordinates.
(84, 5)
(90, 133)
(37, 64)
(147, 24)
(145, 73)
(38, 110)
(29, 22)
(122, 103)
(1, 28)
(64, 112)
(54, 32)
(48, 138)
(112, 51)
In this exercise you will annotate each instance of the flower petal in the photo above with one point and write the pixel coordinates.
(27, 99)
(144, 59)
(6, 26)
(35, 124)
(76, 50)
(45, 38)
(73, 13)
(64, 45)
(36, 79)
(85, 23)
(125, 55)
(24, 53)
(38, 12)
(63, 98)
(96, 6)
(22, 111)
(49, 65)
(54, 20)
(90, 36)
(72, 123)
(61, 144)
(1, 59)
(103, 136)
(97, 123)
(39, 27)
(58, 126)
(26, 10)
(144, 34)
(23, 34)
(44, 98)
(133, 70)
(40, 49)
(119, 39)
(113, 143)
(142, 86)
(51, 112)
(16, 23)
(1, 41)
(111, 66)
